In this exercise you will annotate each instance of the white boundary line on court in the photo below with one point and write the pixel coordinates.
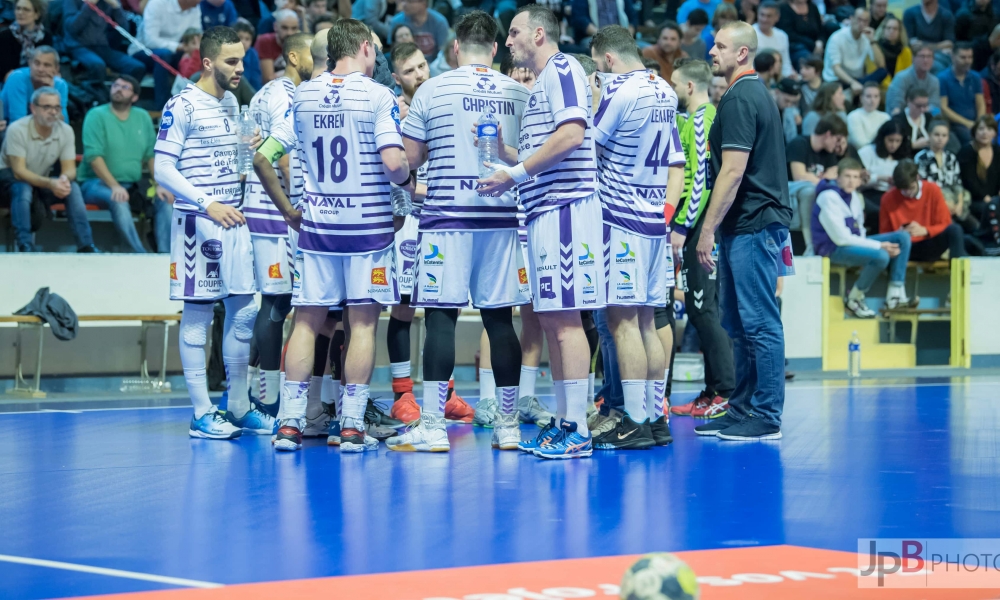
(52, 564)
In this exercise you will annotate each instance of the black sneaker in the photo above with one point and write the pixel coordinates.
(627, 435)
(661, 432)
(714, 426)
(750, 430)
(88, 249)
(376, 416)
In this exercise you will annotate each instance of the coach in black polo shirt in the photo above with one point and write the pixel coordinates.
(750, 203)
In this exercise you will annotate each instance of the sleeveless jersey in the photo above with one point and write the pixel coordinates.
(271, 108)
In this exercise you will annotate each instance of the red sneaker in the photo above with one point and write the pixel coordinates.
(457, 411)
(685, 410)
(712, 409)
(405, 409)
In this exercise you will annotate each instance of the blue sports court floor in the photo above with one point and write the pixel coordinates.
(123, 501)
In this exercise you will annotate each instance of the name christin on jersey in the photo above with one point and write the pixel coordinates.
(497, 107)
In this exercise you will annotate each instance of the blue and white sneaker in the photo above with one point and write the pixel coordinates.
(333, 435)
(256, 422)
(568, 444)
(544, 436)
(214, 425)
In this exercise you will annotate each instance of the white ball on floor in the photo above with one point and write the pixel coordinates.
(659, 576)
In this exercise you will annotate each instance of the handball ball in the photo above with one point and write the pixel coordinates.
(659, 576)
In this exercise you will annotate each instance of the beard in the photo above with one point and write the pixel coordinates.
(224, 81)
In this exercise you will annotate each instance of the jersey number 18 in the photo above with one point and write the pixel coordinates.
(338, 159)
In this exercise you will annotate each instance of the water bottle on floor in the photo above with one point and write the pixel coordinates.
(854, 357)
(489, 149)
(245, 129)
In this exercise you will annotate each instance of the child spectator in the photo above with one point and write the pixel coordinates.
(768, 67)
(937, 165)
(918, 208)
(190, 62)
(829, 101)
(863, 123)
(251, 60)
(880, 159)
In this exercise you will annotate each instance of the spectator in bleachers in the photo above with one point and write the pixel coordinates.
(724, 14)
(937, 165)
(979, 162)
(863, 123)
(117, 141)
(19, 40)
(918, 208)
(372, 14)
(446, 59)
(217, 12)
(974, 23)
(32, 147)
(429, 27)
(163, 24)
(85, 37)
(770, 37)
(409, 70)
(891, 37)
(880, 159)
(991, 83)
(190, 62)
(801, 20)
(22, 83)
(829, 101)
(914, 120)
(324, 22)
(401, 35)
(917, 76)
(879, 11)
(846, 53)
(930, 25)
(589, 16)
(692, 42)
(667, 49)
(838, 228)
(787, 95)
(961, 94)
(687, 6)
(251, 61)
(811, 159)
(268, 45)
(267, 23)
(811, 72)
(717, 89)
(748, 11)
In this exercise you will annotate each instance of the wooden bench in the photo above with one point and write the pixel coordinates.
(920, 268)
(21, 386)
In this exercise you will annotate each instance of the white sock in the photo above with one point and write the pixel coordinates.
(666, 399)
(487, 384)
(294, 399)
(197, 385)
(634, 391)
(435, 395)
(856, 294)
(576, 404)
(654, 399)
(314, 401)
(331, 389)
(897, 289)
(559, 389)
(270, 386)
(508, 399)
(527, 383)
(590, 390)
(355, 399)
(400, 370)
(253, 381)
(338, 398)
(239, 399)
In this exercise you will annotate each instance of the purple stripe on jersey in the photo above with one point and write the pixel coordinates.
(406, 135)
(566, 246)
(635, 226)
(310, 241)
(607, 260)
(565, 72)
(266, 226)
(435, 304)
(190, 262)
(346, 226)
(262, 211)
(456, 224)
(381, 148)
(476, 209)
(165, 153)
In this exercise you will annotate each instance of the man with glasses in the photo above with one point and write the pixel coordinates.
(43, 71)
(32, 147)
(117, 140)
(913, 121)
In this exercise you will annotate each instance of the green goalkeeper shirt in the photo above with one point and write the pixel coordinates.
(697, 169)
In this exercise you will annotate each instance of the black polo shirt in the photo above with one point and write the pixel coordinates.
(747, 120)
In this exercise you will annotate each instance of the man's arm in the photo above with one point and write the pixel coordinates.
(980, 105)
(953, 116)
(152, 22)
(799, 173)
(67, 168)
(734, 165)
(272, 186)
(20, 169)
(563, 141)
(16, 97)
(100, 168)
(416, 152)
(161, 192)
(877, 57)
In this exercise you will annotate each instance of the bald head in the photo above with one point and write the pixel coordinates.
(742, 34)
(734, 50)
(318, 49)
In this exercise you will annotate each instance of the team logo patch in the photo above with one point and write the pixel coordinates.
(212, 270)
(211, 249)
(408, 248)
(587, 258)
(167, 120)
(482, 70)
(533, 102)
(588, 287)
(378, 276)
(395, 113)
(522, 276)
(173, 271)
(431, 287)
(485, 84)
(338, 80)
(625, 276)
(545, 288)
(627, 255)
(274, 271)
(434, 255)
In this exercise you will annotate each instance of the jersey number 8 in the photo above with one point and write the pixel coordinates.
(338, 159)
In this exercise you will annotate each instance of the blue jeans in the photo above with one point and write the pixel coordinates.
(163, 80)
(20, 213)
(748, 278)
(873, 261)
(95, 60)
(96, 192)
(611, 389)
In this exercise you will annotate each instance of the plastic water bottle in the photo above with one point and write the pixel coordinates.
(245, 131)
(489, 150)
(854, 357)
(401, 203)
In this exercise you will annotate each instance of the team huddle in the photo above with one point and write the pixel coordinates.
(573, 217)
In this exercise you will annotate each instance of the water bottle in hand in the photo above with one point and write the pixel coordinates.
(245, 130)
(854, 357)
(401, 203)
(489, 145)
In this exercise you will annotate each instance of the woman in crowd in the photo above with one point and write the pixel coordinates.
(939, 166)
(401, 35)
(829, 100)
(892, 40)
(28, 31)
(801, 20)
(723, 15)
(979, 163)
(880, 159)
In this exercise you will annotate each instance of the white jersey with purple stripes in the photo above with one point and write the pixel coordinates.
(561, 94)
(342, 122)
(441, 115)
(635, 129)
(271, 108)
(198, 131)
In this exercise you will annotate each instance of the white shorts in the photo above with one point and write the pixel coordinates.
(524, 285)
(454, 265)
(406, 254)
(208, 262)
(640, 270)
(273, 260)
(345, 279)
(566, 257)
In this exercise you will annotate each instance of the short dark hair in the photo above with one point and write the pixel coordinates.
(814, 63)
(215, 38)
(477, 29)
(891, 127)
(764, 62)
(132, 81)
(345, 38)
(402, 53)
(916, 92)
(769, 4)
(45, 50)
(696, 70)
(243, 26)
(588, 64)
(905, 174)
(963, 46)
(832, 124)
(849, 164)
(324, 18)
(616, 40)
(697, 16)
(935, 123)
(872, 84)
(540, 16)
(672, 25)
(507, 64)
(296, 43)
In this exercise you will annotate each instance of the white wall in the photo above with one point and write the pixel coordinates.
(984, 307)
(802, 309)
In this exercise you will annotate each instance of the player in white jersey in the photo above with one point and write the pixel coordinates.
(557, 185)
(468, 242)
(273, 253)
(641, 177)
(211, 254)
(348, 138)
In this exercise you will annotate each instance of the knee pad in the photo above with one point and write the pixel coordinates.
(194, 323)
(242, 320)
(281, 306)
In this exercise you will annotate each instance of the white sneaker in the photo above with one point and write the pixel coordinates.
(486, 412)
(859, 308)
(604, 423)
(428, 435)
(506, 432)
(353, 437)
(901, 301)
(532, 411)
(214, 425)
(319, 425)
